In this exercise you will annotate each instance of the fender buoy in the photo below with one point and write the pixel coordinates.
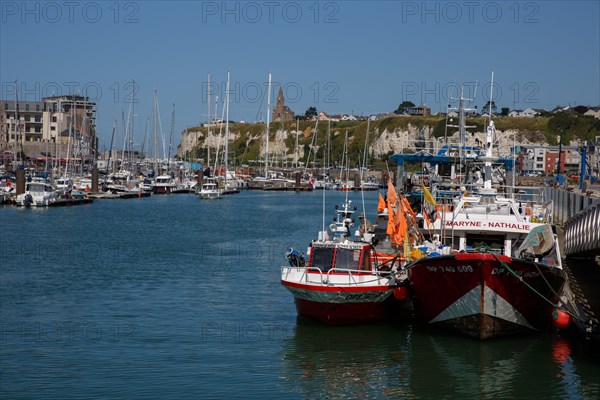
(560, 319)
(400, 293)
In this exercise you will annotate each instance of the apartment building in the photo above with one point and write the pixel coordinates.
(57, 119)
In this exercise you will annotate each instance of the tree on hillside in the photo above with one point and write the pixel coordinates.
(486, 107)
(403, 106)
(574, 126)
(504, 111)
(311, 112)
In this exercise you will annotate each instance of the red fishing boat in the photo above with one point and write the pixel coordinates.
(341, 281)
(500, 272)
(485, 295)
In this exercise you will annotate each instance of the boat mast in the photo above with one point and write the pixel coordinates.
(145, 138)
(112, 139)
(132, 116)
(220, 132)
(220, 135)
(364, 167)
(125, 129)
(296, 149)
(69, 139)
(267, 127)
(489, 140)
(17, 126)
(462, 127)
(171, 138)
(207, 142)
(155, 147)
(226, 156)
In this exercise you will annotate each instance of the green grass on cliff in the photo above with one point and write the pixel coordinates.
(249, 137)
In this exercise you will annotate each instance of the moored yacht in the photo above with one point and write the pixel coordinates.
(37, 194)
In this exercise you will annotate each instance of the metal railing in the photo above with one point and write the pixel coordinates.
(351, 273)
(582, 233)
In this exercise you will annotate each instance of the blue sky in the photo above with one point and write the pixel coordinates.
(358, 57)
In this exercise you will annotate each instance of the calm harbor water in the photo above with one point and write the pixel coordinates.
(173, 297)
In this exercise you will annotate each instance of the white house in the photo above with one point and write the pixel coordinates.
(593, 112)
(530, 112)
(323, 116)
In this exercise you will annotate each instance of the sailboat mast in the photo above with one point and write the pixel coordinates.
(124, 139)
(216, 118)
(267, 130)
(145, 138)
(364, 167)
(155, 147)
(296, 149)
(207, 142)
(17, 126)
(226, 158)
(112, 139)
(171, 138)
(130, 155)
(69, 144)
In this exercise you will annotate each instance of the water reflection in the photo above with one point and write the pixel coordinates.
(397, 361)
(358, 361)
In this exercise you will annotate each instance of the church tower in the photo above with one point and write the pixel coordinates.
(282, 112)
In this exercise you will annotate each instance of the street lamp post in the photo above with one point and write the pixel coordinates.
(559, 179)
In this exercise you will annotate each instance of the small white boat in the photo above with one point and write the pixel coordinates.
(37, 194)
(209, 190)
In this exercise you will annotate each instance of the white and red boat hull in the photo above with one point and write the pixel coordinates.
(338, 302)
(475, 294)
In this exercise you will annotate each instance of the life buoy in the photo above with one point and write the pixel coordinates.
(560, 319)
(400, 293)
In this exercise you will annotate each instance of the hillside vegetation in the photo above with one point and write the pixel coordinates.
(249, 138)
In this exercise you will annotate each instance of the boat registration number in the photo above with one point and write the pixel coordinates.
(458, 268)
(528, 274)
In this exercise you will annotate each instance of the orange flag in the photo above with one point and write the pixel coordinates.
(391, 227)
(407, 206)
(381, 205)
(392, 196)
(401, 225)
(427, 220)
